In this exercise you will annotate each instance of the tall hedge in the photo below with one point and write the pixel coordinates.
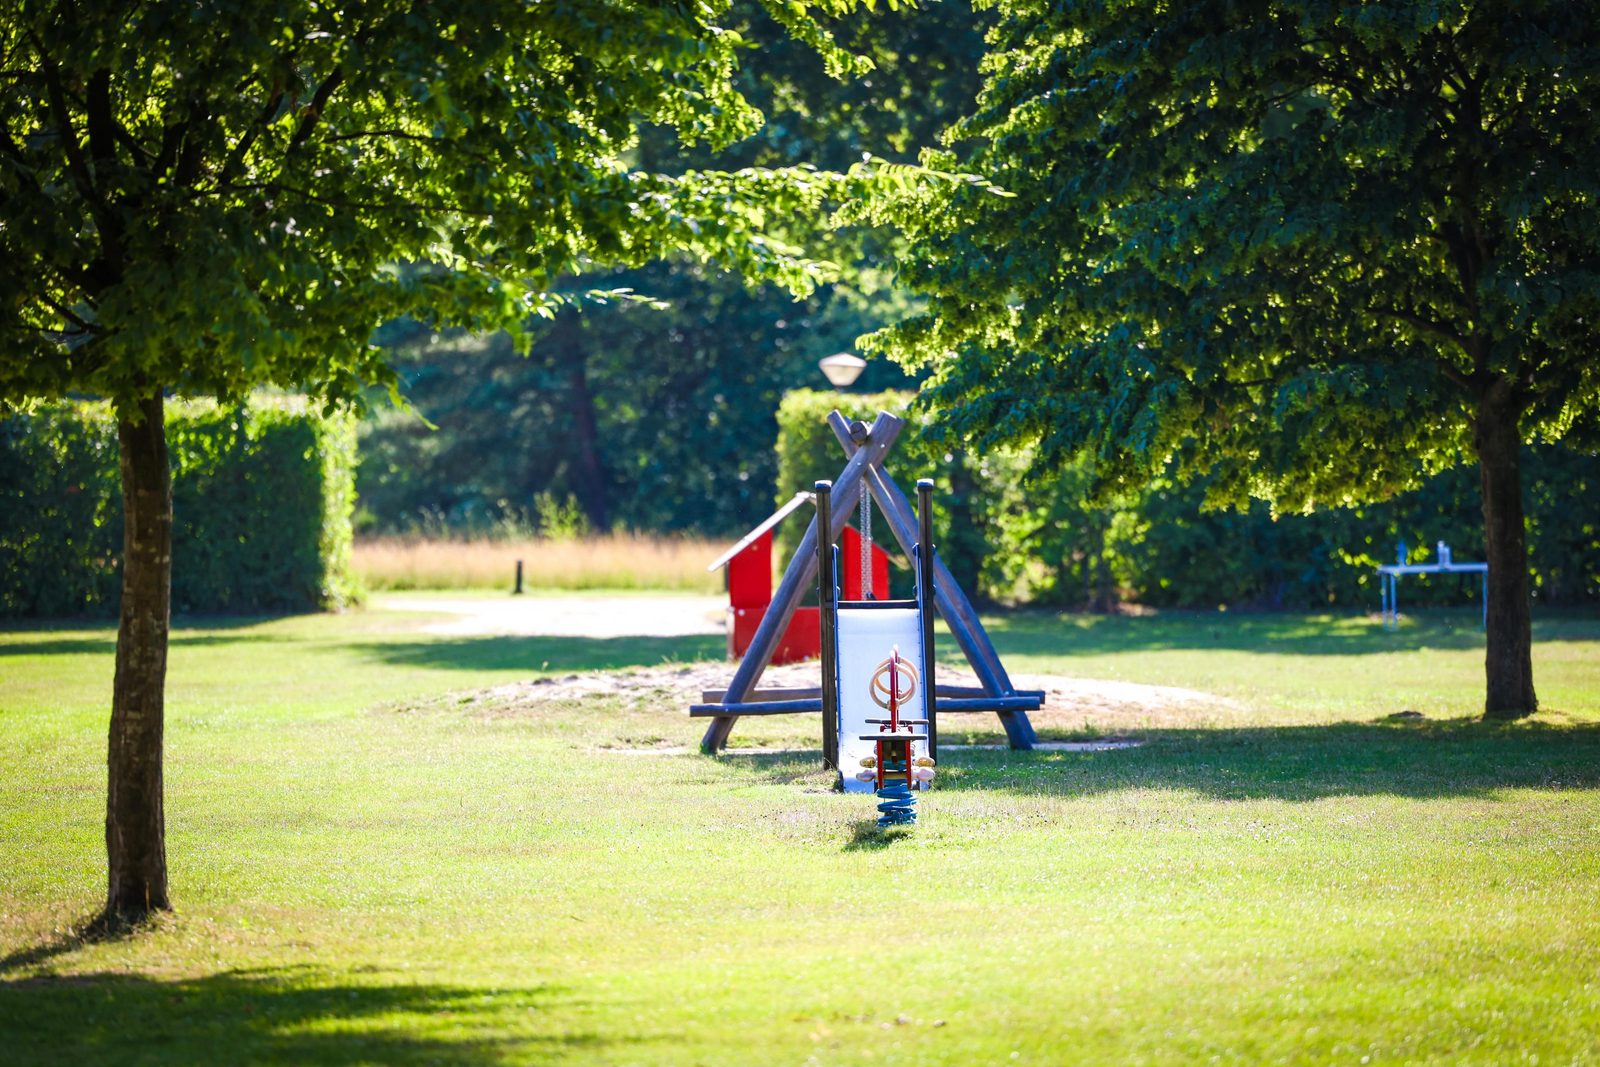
(262, 499)
(1041, 540)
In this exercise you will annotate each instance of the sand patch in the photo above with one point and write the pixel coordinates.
(1070, 703)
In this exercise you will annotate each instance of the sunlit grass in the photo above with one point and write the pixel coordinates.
(602, 561)
(372, 865)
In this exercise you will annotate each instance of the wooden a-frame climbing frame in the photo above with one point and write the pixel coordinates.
(866, 448)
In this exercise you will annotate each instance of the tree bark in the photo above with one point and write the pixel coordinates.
(1102, 600)
(591, 471)
(135, 821)
(588, 469)
(1509, 658)
(965, 542)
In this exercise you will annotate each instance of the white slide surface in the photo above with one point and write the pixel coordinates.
(867, 638)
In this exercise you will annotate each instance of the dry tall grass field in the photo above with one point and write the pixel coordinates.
(606, 561)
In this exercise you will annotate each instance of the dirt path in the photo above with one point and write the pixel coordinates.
(565, 616)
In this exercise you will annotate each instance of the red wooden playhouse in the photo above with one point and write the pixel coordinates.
(749, 564)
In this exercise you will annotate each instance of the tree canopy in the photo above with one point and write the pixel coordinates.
(1314, 251)
(210, 196)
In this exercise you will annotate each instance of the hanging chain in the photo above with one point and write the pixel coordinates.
(866, 542)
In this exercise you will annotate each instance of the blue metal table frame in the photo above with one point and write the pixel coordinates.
(1389, 584)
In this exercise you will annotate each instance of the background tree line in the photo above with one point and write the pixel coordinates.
(1017, 532)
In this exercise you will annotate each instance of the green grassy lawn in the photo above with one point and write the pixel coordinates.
(373, 866)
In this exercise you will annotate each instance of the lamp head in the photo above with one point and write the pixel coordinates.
(842, 368)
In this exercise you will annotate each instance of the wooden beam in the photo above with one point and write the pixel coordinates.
(797, 576)
(953, 605)
(812, 706)
(806, 692)
(755, 707)
(828, 652)
(1003, 705)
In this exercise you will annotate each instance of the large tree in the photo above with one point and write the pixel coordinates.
(1317, 251)
(204, 196)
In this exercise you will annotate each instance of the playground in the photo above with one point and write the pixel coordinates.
(1177, 639)
(399, 845)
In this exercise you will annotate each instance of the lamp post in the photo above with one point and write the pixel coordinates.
(841, 369)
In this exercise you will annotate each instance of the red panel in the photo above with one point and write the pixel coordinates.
(750, 575)
(850, 567)
(742, 623)
(803, 639)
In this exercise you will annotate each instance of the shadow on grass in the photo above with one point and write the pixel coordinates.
(1051, 633)
(60, 945)
(532, 653)
(287, 1016)
(538, 653)
(61, 646)
(73, 646)
(867, 836)
(1406, 758)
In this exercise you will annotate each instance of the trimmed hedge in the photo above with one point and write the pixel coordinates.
(1043, 543)
(262, 499)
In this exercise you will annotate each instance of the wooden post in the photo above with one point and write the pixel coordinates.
(826, 601)
(924, 563)
(802, 568)
(517, 591)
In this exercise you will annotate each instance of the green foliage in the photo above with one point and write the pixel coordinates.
(1161, 548)
(1022, 538)
(679, 403)
(559, 519)
(60, 512)
(262, 497)
(1295, 247)
(662, 418)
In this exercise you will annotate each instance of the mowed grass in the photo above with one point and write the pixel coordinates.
(598, 561)
(373, 865)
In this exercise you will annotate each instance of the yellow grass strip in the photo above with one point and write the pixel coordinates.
(605, 561)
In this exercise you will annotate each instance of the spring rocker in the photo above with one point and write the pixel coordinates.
(877, 699)
(896, 754)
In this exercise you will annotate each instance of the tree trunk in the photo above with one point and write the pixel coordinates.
(588, 472)
(965, 543)
(136, 847)
(1509, 658)
(591, 471)
(1101, 600)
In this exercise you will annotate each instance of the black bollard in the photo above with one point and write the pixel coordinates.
(518, 590)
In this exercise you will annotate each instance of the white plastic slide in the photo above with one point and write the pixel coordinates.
(868, 636)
